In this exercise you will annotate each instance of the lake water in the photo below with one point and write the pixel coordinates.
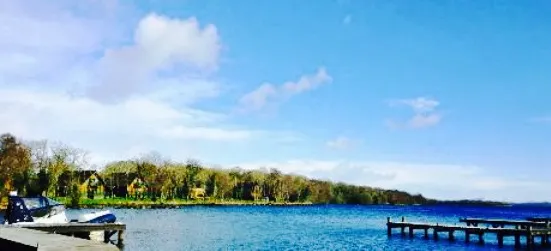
(298, 228)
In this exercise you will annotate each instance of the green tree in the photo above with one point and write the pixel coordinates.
(75, 195)
(275, 187)
(224, 184)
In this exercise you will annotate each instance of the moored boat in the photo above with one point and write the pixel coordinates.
(40, 209)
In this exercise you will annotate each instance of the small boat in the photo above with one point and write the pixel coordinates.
(40, 209)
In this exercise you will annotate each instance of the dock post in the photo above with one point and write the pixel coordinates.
(500, 239)
(426, 233)
(402, 228)
(450, 235)
(120, 240)
(435, 234)
(481, 237)
(517, 240)
(106, 235)
(410, 232)
(529, 238)
(467, 236)
(388, 227)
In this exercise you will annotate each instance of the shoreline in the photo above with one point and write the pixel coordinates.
(175, 206)
(119, 203)
(148, 204)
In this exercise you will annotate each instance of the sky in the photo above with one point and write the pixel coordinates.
(445, 98)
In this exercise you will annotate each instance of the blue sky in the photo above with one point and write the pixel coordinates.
(445, 98)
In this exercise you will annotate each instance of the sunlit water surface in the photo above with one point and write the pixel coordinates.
(298, 228)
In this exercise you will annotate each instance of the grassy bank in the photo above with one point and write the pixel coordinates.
(146, 203)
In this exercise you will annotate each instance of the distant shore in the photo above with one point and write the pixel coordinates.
(177, 203)
(99, 203)
(146, 204)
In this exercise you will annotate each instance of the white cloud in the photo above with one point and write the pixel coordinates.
(432, 180)
(424, 120)
(160, 44)
(39, 114)
(38, 38)
(347, 19)
(341, 143)
(266, 93)
(51, 52)
(425, 113)
(420, 104)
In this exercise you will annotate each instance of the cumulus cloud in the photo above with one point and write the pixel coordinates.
(440, 181)
(266, 93)
(93, 75)
(160, 44)
(340, 143)
(424, 109)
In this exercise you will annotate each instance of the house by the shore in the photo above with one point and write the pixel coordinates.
(90, 183)
(125, 185)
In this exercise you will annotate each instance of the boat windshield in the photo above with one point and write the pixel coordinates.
(39, 202)
(34, 203)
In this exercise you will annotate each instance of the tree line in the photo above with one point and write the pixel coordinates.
(34, 167)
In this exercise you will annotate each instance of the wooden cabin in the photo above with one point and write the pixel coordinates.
(197, 193)
(125, 185)
(90, 183)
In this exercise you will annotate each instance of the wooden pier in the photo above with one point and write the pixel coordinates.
(539, 219)
(33, 240)
(528, 230)
(80, 230)
(502, 223)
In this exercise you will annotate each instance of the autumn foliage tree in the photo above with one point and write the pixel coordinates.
(15, 164)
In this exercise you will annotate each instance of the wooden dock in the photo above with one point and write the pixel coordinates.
(80, 230)
(523, 224)
(528, 233)
(27, 239)
(539, 219)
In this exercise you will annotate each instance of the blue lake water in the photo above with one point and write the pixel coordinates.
(299, 228)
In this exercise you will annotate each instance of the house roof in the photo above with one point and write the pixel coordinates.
(81, 175)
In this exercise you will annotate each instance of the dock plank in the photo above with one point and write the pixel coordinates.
(44, 241)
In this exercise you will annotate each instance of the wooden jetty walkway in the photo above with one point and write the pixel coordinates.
(529, 230)
(27, 239)
(539, 219)
(79, 230)
(502, 223)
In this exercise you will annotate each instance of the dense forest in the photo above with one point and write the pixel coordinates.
(35, 167)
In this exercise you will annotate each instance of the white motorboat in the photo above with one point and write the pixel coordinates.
(40, 209)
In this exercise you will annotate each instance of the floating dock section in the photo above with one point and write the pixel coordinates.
(528, 230)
